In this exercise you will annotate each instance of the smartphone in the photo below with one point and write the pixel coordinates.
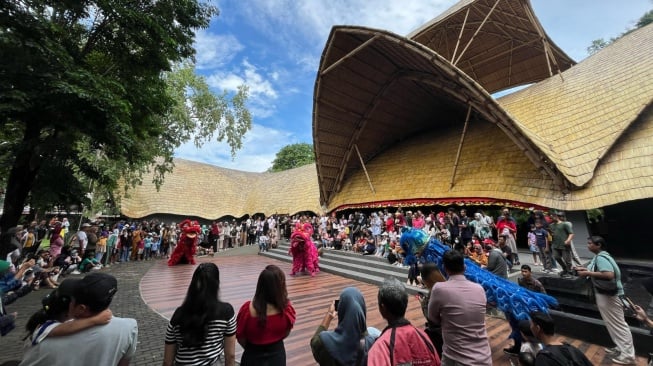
(629, 303)
(335, 303)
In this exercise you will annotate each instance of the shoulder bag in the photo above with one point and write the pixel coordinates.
(606, 287)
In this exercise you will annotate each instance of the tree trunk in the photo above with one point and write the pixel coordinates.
(21, 179)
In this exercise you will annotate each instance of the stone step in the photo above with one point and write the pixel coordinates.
(373, 274)
(355, 258)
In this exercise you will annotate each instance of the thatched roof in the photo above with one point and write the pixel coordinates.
(577, 142)
(492, 170)
(498, 43)
(210, 192)
(375, 89)
(576, 119)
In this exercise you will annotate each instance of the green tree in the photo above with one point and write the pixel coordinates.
(293, 156)
(599, 44)
(105, 91)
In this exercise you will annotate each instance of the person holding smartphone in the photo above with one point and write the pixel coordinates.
(349, 342)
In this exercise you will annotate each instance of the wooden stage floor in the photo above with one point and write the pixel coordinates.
(163, 289)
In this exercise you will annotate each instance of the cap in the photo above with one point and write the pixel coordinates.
(4, 266)
(86, 224)
(96, 290)
(559, 213)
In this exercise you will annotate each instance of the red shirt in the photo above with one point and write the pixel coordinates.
(276, 328)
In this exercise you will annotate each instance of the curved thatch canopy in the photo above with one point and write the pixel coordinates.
(498, 43)
(375, 89)
(576, 119)
(210, 192)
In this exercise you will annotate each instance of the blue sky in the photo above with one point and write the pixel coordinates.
(274, 46)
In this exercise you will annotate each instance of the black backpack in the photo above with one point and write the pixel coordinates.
(564, 355)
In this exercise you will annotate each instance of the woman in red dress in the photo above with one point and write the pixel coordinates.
(264, 322)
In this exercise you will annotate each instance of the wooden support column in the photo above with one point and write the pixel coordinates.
(460, 146)
(364, 169)
(460, 35)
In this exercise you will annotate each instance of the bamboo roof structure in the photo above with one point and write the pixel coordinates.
(210, 192)
(386, 107)
(499, 43)
(375, 89)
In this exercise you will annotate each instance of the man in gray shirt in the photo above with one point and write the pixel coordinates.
(110, 344)
(458, 306)
(496, 262)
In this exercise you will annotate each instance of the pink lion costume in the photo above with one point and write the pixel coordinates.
(303, 251)
(187, 244)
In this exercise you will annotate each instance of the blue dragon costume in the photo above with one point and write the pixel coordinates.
(508, 296)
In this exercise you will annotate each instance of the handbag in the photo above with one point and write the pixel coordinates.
(606, 287)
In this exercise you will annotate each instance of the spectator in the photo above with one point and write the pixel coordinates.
(543, 245)
(554, 353)
(561, 243)
(110, 344)
(56, 240)
(264, 322)
(431, 274)
(527, 281)
(507, 228)
(400, 343)
(52, 320)
(497, 262)
(11, 284)
(82, 238)
(603, 267)
(203, 329)
(458, 306)
(479, 256)
(348, 343)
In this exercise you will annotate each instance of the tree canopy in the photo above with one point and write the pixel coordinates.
(95, 91)
(293, 156)
(599, 44)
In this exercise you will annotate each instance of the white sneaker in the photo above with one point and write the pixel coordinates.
(612, 351)
(75, 272)
(623, 360)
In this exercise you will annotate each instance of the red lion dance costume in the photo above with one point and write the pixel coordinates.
(187, 244)
(303, 251)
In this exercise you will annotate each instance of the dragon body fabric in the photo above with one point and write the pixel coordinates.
(303, 251)
(508, 296)
(187, 245)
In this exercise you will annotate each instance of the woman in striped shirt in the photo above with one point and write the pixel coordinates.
(202, 331)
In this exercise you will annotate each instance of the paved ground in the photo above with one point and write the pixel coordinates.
(126, 303)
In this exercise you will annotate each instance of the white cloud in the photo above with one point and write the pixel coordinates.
(215, 50)
(262, 93)
(260, 146)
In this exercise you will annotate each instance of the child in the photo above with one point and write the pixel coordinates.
(101, 246)
(156, 243)
(140, 247)
(532, 246)
(47, 321)
(89, 263)
(147, 245)
(263, 243)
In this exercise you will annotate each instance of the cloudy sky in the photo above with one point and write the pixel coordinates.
(274, 46)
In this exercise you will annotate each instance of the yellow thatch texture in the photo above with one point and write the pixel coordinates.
(197, 189)
(578, 118)
(491, 166)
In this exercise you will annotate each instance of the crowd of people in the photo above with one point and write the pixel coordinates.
(204, 330)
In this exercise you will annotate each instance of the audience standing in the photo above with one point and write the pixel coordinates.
(110, 344)
(604, 268)
(202, 330)
(264, 322)
(458, 306)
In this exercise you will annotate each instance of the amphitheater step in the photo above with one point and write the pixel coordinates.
(367, 269)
